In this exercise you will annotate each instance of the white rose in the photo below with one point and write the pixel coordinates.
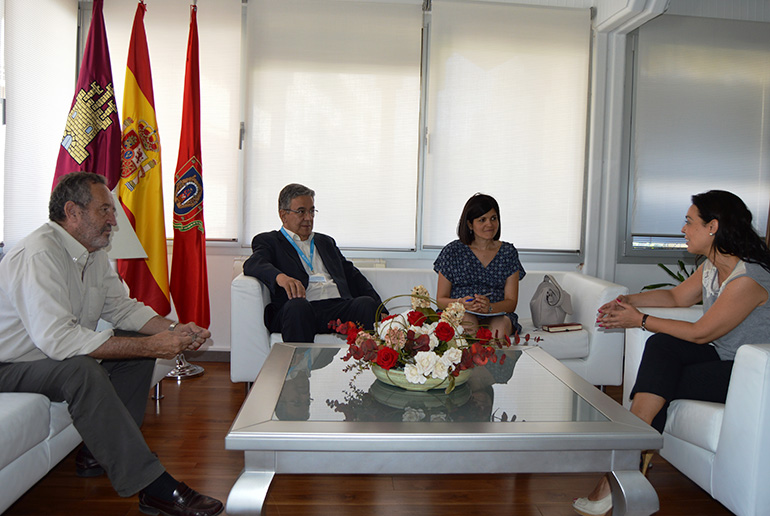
(433, 341)
(425, 362)
(413, 414)
(452, 356)
(413, 374)
(438, 418)
(440, 370)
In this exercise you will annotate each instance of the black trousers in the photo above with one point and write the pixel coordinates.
(674, 369)
(299, 320)
(106, 401)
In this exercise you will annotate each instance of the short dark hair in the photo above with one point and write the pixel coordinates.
(291, 192)
(75, 187)
(476, 206)
(735, 236)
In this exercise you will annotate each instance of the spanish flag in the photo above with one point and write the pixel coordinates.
(189, 278)
(140, 188)
(91, 140)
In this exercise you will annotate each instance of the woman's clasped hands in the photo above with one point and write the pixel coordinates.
(478, 303)
(619, 313)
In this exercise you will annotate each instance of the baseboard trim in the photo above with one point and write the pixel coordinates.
(207, 356)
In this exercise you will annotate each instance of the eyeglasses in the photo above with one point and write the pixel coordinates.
(302, 211)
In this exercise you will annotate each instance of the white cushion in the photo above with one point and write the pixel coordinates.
(24, 423)
(696, 422)
(60, 418)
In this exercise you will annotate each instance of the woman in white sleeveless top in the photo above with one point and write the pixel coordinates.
(685, 360)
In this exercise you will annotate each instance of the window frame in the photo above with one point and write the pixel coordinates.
(626, 254)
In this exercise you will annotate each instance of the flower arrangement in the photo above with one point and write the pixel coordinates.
(425, 344)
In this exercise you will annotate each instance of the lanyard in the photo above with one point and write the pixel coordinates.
(302, 255)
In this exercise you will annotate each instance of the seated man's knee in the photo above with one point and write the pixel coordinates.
(297, 321)
(84, 371)
(297, 306)
(365, 308)
(366, 304)
(82, 364)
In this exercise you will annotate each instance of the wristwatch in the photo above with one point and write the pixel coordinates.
(172, 325)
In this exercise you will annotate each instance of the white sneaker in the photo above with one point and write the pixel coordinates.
(586, 507)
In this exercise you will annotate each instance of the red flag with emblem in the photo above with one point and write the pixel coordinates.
(189, 279)
(91, 140)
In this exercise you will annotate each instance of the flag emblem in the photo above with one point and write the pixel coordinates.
(90, 115)
(188, 197)
(135, 162)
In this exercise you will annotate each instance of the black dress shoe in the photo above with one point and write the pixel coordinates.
(86, 465)
(186, 502)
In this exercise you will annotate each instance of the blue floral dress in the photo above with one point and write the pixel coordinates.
(468, 276)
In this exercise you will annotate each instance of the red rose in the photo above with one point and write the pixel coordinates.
(387, 357)
(415, 318)
(483, 334)
(444, 331)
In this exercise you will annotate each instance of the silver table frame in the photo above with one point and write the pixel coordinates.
(336, 447)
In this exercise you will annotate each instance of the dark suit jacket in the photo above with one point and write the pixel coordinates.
(273, 255)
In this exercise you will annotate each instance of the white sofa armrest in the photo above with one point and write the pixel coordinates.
(742, 462)
(604, 363)
(247, 324)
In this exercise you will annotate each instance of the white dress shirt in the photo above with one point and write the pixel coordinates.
(52, 294)
(321, 284)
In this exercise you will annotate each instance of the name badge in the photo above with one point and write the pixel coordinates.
(317, 278)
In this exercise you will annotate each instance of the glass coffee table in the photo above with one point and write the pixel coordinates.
(310, 412)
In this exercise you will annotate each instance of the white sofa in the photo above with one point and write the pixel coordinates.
(35, 434)
(725, 449)
(593, 353)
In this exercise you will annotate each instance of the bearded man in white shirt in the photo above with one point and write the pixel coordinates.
(54, 287)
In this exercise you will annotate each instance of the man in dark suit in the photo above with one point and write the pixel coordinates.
(310, 282)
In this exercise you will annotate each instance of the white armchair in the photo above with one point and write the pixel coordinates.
(722, 448)
(593, 353)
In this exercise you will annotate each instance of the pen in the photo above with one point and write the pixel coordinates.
(485, 295)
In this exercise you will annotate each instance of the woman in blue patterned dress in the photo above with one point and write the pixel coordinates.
(480, 271)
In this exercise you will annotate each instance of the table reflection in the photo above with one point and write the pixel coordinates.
(320, 386)
(377, 401)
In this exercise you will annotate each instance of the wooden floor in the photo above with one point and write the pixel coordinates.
(188, 435)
